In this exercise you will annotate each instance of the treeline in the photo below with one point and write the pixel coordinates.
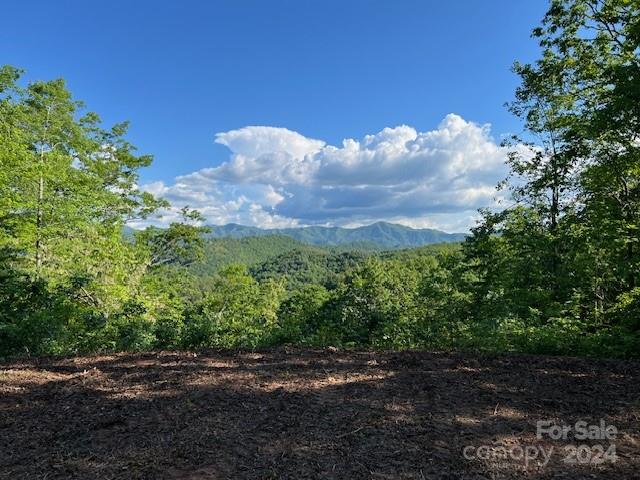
(253, 252)
(555, 271)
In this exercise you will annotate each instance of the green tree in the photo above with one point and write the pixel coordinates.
(376, 304)
(238, 311)
(301, 314)
(594, 46)
(556, 263)
(180, 244)
(66, 189)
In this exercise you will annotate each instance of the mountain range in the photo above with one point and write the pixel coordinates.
(382, 234)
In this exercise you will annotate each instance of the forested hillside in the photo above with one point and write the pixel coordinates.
(296, 263)
(556, 270)
(381, 234)
(249, 251)
(310, 266)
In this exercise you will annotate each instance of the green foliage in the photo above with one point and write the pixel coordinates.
(376, 304)
(250, 251)
(300, 315)
(179, 244)
(67, 187)
(377, 236)
(557, 272)
(238, 312)
(309, 265)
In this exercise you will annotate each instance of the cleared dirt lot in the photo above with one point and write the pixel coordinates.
(296, 414)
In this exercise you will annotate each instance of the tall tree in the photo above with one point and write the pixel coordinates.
(68, 186)
(575, 169)
(594, 45)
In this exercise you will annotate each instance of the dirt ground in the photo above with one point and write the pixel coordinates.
(297, 414)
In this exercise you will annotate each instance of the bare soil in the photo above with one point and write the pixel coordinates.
(298, 414)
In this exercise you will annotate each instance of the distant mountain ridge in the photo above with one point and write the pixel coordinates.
(384, 234)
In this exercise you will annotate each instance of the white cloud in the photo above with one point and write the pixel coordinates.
(267, 155)
(277, 177)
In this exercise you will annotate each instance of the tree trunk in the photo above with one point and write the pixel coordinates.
(39, 215)
(40, 200)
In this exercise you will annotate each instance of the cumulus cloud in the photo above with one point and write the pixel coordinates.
(275, 177)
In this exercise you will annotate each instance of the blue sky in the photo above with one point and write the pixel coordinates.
(183, 72)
